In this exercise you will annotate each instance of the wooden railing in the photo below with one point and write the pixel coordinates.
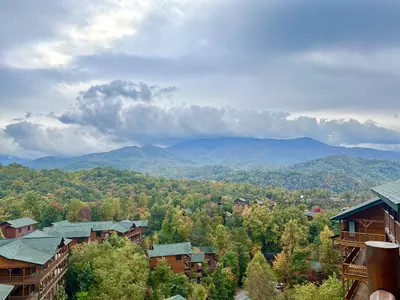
(392, 228)
(397, 231)
(355, 270)
(20, 279)
(360, 237)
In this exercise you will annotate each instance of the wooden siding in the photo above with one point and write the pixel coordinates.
(11, 233)
(178, 266)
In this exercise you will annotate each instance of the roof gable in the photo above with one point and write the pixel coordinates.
(389, 192)
(170, 249)
(22, 222)
(32, 250)
(360, 207)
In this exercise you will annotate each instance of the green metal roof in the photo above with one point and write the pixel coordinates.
(390, 193)
(69, 231)
(207, 249)
(5, 290)
(360, 207)
(170, 249)
(36, 234)
(197, 257)
(18, 223)
(176, 297)
(121, 227)
(33, 250)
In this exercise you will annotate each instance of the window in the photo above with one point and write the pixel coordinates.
(80, 240)
(178, 257)
(98, 233)
(352, 226)
(19, 230)
(29, 227)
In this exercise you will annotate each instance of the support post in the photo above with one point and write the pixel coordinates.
(383, 267)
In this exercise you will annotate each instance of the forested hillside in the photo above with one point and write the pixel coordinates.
(240, 235)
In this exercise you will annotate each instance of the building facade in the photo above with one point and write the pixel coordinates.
(83, 232)
(18, 227)
(34, 266)
(373, 220)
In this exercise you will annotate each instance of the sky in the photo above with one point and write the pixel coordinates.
(82, 76)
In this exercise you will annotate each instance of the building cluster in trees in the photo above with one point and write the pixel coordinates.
(228, 252)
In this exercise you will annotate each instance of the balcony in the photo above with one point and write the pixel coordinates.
(354, 265)
(392, 228)
(359, 238)
(355, 271)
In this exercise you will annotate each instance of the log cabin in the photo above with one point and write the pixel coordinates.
(241, 202)
(209, 256)
(82, 232)
(179, 256)
(32, 267)
(374, 220)
(16, 228)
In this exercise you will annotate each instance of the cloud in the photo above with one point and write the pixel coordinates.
(34, 140)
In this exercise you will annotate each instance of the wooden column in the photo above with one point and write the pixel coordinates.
(383, 267)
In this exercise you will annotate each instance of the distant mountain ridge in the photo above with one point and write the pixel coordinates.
(295, 164)
(242, 153)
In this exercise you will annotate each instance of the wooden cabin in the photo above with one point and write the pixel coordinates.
(17, 228)
(178, 256)
(241, 202)
(373, 220)
(32, 267)
(209, 256)
(82, 232)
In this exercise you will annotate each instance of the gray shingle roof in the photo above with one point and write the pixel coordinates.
(18, 223)
(5, 290)
(170, 249)
(357, 208)
(33, 250)
(389, 192)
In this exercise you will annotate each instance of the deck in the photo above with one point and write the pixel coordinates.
(358, 239)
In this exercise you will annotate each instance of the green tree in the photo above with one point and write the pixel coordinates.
(74, 210)
(221, 240)
(223, 284)
(331, 289)
(328, 257)
(259, 282)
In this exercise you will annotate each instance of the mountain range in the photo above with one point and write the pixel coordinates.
(293, 163)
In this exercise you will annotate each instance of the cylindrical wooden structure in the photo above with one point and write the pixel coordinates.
(383, 267)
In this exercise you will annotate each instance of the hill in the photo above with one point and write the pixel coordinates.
(268, 151)
(239, 153)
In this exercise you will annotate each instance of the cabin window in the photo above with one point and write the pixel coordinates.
(178, 257)
(19, 230)
(80, 240)
(98, 233)
(29, 227)
(352, 226)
